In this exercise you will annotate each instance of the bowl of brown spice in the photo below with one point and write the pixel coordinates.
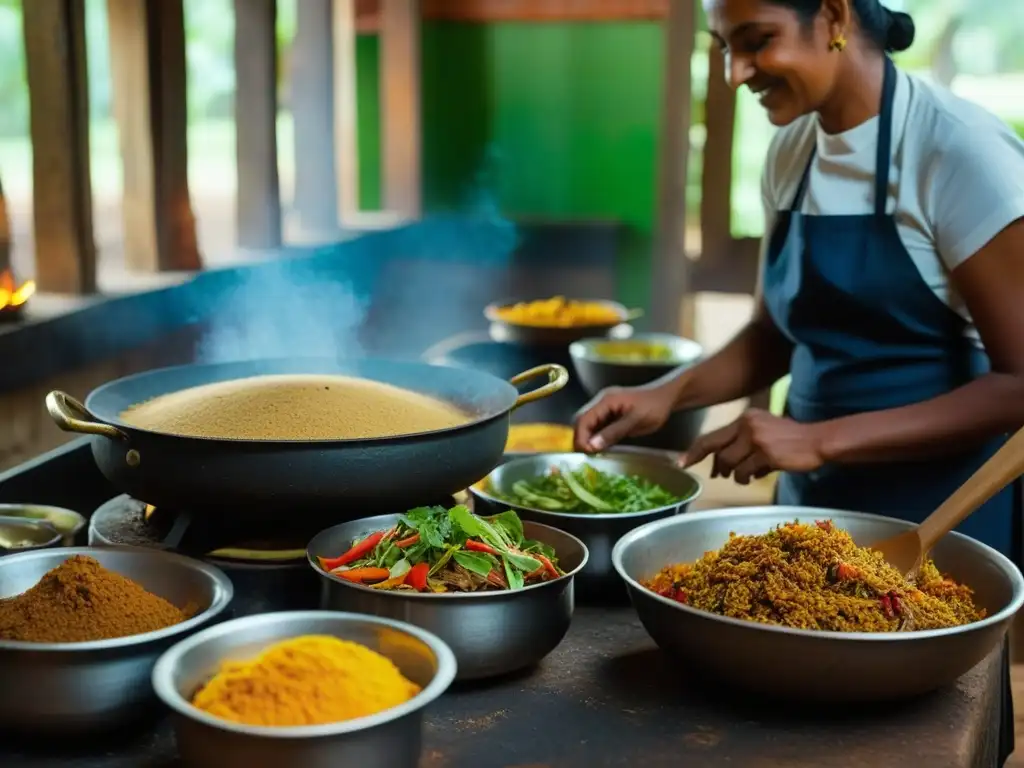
(82, 627)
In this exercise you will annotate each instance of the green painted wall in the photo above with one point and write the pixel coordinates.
(553, 120)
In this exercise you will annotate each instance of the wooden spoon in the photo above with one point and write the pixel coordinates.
(907, 551)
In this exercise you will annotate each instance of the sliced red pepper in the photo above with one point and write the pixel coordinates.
(363, 575)
(417, 576)
(548, 565)
(887, 606)
(478, 546)
(497, 579)
(408, 541)
(356, 551)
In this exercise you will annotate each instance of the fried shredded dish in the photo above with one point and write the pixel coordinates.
(813, 576)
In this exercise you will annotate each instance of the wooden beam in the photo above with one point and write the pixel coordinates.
(670, 267)
(346, 109)
(147, 62)
(401, 134)
(258, 198)
(59, 114)
(312, 106)
(717, 175)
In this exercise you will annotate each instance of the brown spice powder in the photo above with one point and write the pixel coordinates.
(80, 601)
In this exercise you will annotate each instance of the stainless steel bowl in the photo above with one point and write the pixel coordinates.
(21, 535)
(65, 688)
(810, 665)
(67, 522)
(491, 633)
(389, 739)
(598, 532)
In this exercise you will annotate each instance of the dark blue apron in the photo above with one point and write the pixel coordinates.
(869, 334)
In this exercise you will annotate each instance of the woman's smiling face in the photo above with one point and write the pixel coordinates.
(783, 59)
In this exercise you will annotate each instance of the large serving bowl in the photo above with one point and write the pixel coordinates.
(597, 369)
(65, 688)
(491, 633)
(389, 739)
(598, 532)
(809, 665)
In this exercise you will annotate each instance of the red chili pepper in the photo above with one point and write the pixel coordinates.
(548, 565)
(362, 575)
(355, 552)
(478, 546)
(408, 541)
(887, 606)
(417, 576)
(498, 579)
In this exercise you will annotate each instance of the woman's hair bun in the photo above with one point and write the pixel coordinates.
(900, 33)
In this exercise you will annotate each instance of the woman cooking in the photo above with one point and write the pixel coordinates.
(891, 284)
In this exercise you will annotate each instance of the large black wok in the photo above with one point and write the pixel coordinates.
(279, 478)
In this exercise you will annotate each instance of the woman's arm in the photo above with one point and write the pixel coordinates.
(991, 283)
(756, 358)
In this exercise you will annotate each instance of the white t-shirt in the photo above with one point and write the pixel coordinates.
(956, 179)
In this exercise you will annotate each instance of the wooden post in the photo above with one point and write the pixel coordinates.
(5, 234)
(59, 113)
(147, 62)
(312, 105)
(401, 133)
(671, 267)
(716, 179)
(258, 197)
(346, 110)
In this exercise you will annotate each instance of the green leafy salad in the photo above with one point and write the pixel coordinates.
(587, 490)
(433, 549)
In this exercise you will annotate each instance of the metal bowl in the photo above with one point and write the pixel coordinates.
(811, 665)
(21, 535)
(503, 331)
(67, 522)
(597, 372)
(389, 739)
(491, 633)
(64, 688)
(598, 532)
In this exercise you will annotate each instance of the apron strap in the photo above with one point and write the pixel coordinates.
(883, 159)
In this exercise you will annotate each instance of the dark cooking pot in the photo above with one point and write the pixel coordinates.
(342, 478)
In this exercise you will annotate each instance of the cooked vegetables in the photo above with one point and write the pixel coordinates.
(587, 490)
(433, 549)
(560, 312)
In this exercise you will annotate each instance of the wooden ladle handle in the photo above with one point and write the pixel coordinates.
(1005, 466)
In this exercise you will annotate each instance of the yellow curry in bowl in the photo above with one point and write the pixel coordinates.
(630, 351)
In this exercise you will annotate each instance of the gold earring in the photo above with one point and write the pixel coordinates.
(838, 44)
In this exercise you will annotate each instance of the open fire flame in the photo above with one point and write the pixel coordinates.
(13, 295)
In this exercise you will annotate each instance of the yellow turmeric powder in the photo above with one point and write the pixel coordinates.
(308, 680)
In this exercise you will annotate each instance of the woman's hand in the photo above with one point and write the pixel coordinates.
(757, 444)
(620, 412)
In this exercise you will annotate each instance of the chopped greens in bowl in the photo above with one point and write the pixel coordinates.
(586, 490)
(438, 550)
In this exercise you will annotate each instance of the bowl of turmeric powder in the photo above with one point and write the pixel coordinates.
(82, 627)
(303, 688)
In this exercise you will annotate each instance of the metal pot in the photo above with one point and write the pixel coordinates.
(294, 477)
(541, 336)
(389, 739)
(69, 689)
(491, 633)
(598, 532)
(810, 665)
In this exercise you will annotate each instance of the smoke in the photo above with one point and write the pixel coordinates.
(284, 309)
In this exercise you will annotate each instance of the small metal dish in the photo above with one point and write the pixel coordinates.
(74, 688)
(598, 532)
(389, 739)
(491, 633)
(67, 522)
(22, 535)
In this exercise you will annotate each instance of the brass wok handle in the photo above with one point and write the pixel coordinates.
(557, 375)
(71, 416)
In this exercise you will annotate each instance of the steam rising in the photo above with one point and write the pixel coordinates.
(277, 310)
